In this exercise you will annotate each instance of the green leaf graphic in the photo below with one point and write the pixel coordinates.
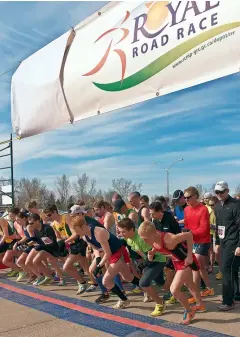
(165, 60)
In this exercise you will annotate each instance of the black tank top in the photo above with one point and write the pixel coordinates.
(114, 243)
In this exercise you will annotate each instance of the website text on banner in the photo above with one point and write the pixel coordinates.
(124, 54)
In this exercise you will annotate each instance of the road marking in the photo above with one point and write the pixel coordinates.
(95, 316)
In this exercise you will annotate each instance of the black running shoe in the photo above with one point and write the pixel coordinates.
(102, 298)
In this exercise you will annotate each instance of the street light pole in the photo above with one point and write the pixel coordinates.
(167, 172)
(167, 182)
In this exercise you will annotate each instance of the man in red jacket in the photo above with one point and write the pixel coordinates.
(196, 219)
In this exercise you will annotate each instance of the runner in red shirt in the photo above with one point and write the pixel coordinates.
(196, 219)
(185, 264)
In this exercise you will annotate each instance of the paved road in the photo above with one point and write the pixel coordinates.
(54, 311)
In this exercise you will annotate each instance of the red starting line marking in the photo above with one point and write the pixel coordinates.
(92, 312)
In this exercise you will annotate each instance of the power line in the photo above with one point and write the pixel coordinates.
(8, 71)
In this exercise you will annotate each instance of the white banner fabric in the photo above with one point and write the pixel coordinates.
(131, 52)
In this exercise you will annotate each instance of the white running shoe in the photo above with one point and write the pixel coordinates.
(121, 304)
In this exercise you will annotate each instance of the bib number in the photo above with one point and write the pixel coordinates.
(221, 232)
(46, 240)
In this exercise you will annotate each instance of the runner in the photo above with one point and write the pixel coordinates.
(228, 238)
(153, 271)
(142, 211)
(77, 247)
(184, 261)
(179, 200)
(196, 219)
(20, 224)
(9, 238)
(115, 256)
(208, 199)
(45, 248)
(106, 217)
(120, 207)
(144, 201)
(165, 222)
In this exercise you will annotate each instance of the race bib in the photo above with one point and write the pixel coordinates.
(46, 240)
(221, 232)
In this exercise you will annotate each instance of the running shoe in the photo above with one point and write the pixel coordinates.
(207, 292)
(146, 298)
(82, 287)
(121, 304)
(159, 310)
(187, 317)
(191, 300)
(62, 283)
(91, 282)
(38, 280)
(56, 278)
(199, 308)
(12, 274)
(219, 276)
(137, 290)
(21, 276)
(46, 280)
(225, 307)
(91, 288)
(31, 279)
(102, 298)
(172, 300)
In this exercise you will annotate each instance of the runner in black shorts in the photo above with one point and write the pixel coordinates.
(45, 249)
(77, 253)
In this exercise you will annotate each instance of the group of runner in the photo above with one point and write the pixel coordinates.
(145, 244)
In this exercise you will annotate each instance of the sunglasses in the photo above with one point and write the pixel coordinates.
(211, 205)
(31, 223)
(187, 198)
(48, 215)
(220, 192)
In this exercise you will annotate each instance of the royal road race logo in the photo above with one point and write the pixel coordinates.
(188, 23)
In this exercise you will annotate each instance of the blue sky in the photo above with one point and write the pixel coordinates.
(200, 124)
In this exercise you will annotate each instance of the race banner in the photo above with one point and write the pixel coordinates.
(131, 52)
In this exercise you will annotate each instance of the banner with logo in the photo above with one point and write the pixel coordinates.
(131, 52)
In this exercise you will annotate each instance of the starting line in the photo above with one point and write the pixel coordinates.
(116, 322)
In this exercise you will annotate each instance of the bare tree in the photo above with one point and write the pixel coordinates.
(237, 189)
(201, 189)
(107, 196)
(26, 190)
(212, 189)
(81, 185)
(63, 190)
(125, 187)
(51, 199)
(85, 188)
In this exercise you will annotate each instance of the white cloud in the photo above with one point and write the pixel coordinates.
(235, 162)
(179, 136)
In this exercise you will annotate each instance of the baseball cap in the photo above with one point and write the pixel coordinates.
(221, 186)
(76, 209)
(118, 204)
(177, 195)
(207, 195)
